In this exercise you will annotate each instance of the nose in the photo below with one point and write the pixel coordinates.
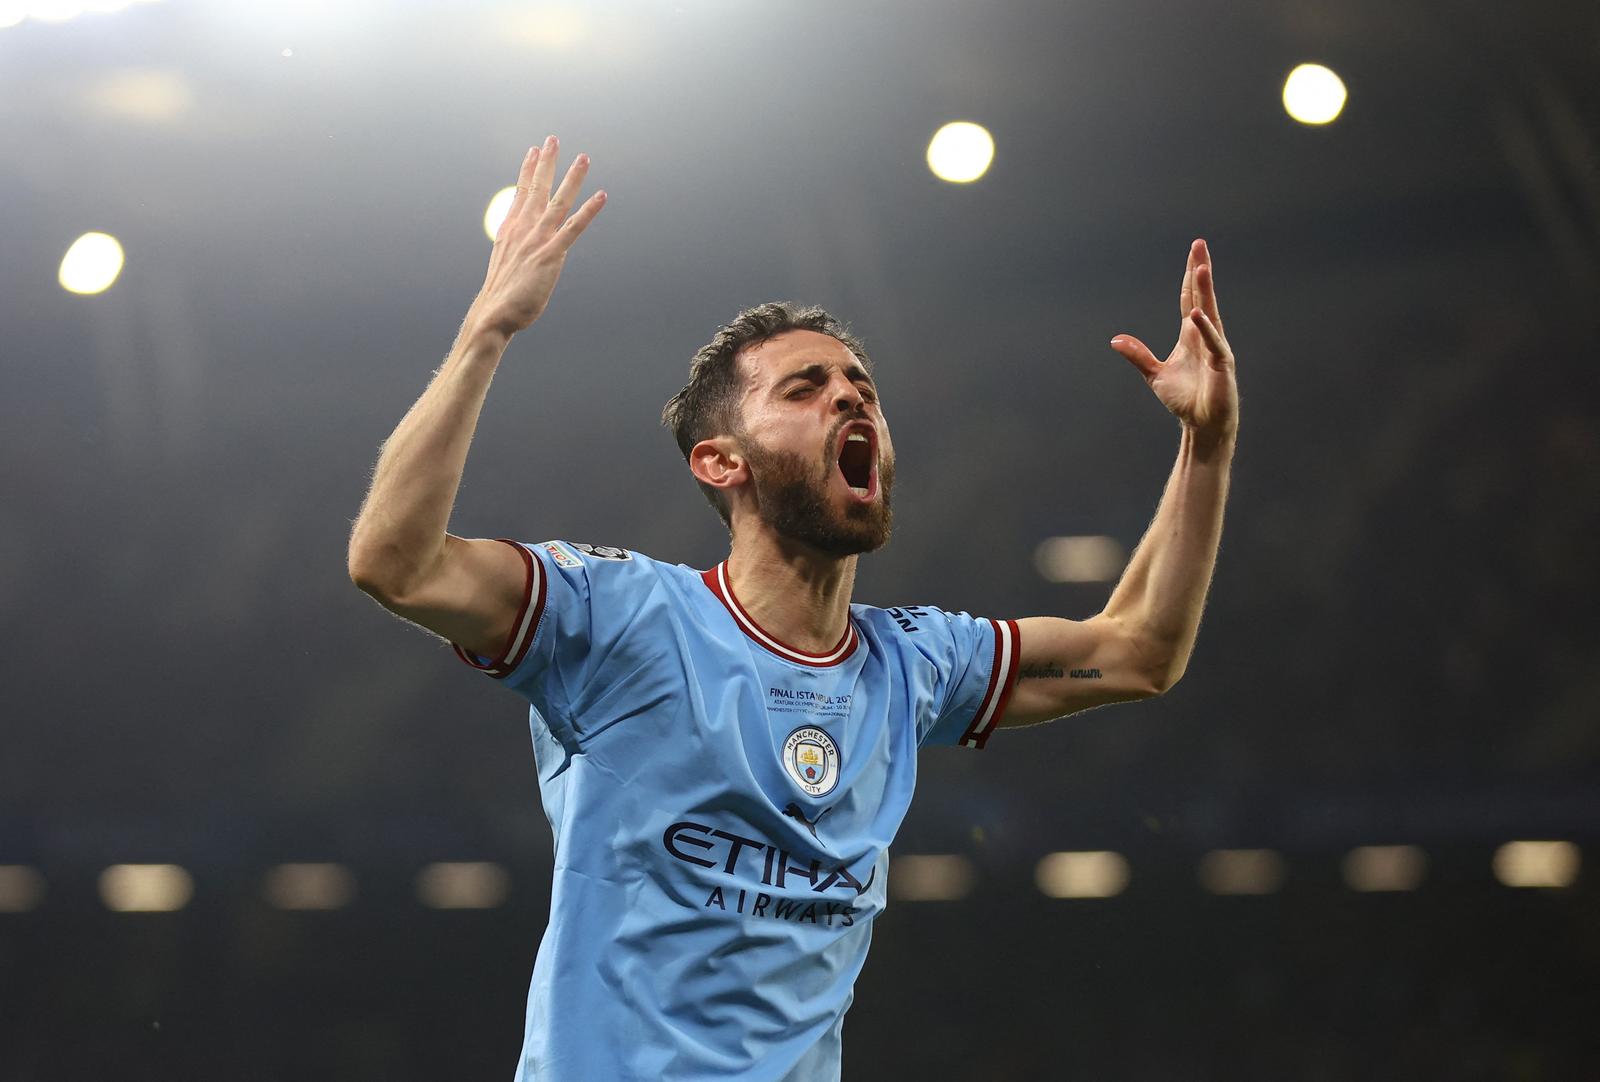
(847, 398)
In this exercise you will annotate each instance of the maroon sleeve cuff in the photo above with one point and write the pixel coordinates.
(523, 627)
(1002, 678)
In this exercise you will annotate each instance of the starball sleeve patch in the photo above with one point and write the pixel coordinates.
(602, 552)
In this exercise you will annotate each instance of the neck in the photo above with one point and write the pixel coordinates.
(795, 593)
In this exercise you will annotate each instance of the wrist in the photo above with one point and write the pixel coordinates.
(1210, 443)
(481, 331)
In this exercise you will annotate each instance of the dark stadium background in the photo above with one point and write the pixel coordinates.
(1399, 649)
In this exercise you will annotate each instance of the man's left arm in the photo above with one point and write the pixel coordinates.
(1139, 644)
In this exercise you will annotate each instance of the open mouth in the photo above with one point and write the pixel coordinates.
(857, 457)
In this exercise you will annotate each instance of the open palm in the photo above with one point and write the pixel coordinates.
(1196, 382)
(531, 246)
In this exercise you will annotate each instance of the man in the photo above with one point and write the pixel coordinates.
(725, 755)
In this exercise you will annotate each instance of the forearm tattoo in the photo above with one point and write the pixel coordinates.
(1051, 671)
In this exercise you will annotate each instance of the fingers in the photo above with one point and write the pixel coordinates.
(561, 202)
(1205, 286)
(1220, 353)
(534, 203)
(544, 169)
(528, 178)
(1138, 355)
(580, 221)
(1186, 293)
(520, 199)
(1199, 284)
(525, 174)
(1206, 295)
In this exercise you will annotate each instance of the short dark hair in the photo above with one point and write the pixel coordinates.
(708, 405)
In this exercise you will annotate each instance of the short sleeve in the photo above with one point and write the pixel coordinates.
(578, 604)
(523, 627)
(976, 667)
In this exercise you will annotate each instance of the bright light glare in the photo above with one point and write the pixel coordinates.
(21, 888)
(1241, 871)
(547, 26)
(149, 94)
(1313, 94)
(145, 888)
(54, 11)
(960, 152)
(1093, 558)
(463, 885)
(1082, 875)
(499, 207)
(310, 886)
(1384, 867)
(91, 264)
(930, 878)
(1536, 864)
(13, 12)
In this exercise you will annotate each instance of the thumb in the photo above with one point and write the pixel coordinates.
(1138, 355)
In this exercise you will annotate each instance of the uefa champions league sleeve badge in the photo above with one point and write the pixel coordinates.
(812, 760)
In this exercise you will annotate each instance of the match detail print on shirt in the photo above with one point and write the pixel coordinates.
(523, 627)
(1002, 677)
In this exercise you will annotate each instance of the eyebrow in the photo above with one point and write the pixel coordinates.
(817, 372)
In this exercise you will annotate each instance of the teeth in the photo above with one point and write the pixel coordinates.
(858, 491)
(855, 437)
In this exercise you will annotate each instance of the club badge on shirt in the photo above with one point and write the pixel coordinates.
(812, 760)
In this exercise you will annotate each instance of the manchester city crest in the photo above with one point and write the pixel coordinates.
(812, 760)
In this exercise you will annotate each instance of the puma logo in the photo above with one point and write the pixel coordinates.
(793, 812)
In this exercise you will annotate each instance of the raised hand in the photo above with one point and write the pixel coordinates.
(531, 245)
(1196, 382)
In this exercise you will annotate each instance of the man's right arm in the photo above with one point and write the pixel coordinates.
(466, 590)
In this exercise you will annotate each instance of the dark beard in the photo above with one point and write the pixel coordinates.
(792, 498)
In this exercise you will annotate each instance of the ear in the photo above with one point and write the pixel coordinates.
(719, 463)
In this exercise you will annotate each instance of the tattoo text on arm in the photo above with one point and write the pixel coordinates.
(1050, 671)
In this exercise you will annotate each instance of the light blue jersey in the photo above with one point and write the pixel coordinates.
(722, 805)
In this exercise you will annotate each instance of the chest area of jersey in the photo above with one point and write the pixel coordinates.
(810, 736)
(810, 725)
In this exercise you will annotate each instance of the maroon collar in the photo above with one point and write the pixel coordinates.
(717, 581)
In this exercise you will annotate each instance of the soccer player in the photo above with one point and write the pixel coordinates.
(725, 755)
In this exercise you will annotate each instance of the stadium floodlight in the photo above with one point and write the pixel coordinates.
(21, 888)
(1313, 94)
(1092, 874)
(145, 888)
(960, 152)
(1536, 864)
(91, 264)
(499, 207)
(1241, 871)
(310, 886)
(1093, 558)
(930, 877)
(1371, 868)
(463, 885)
(13, 12)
